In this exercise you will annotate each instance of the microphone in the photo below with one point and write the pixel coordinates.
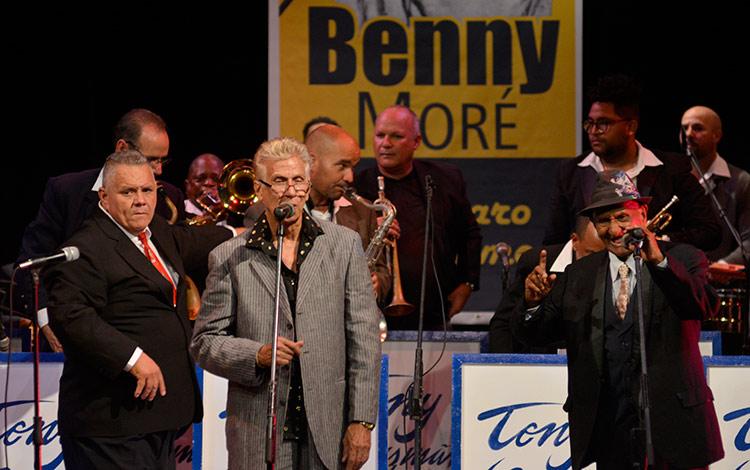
(69, 253)
(502, 249)
(633, 237)
(284, 211)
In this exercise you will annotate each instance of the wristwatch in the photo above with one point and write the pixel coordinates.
(368, 426)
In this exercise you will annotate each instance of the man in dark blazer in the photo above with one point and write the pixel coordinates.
(593, 307)
(71, 198)
(334, 154)
(120, 312)
(611, 127)
(457, 237)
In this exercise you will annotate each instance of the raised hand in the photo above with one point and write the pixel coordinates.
(538, 283)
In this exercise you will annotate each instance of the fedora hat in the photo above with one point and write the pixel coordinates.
(613, 187)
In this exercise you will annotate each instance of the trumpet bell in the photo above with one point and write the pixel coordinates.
(235, 186)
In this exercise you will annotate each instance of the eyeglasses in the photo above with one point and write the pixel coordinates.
(281, 185)
(622, 219)
(600, 125)
(151, 160)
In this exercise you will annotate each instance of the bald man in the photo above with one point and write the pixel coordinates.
(335, 153)
(731, 185)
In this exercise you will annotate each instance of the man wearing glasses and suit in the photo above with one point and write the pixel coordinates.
(328, 349)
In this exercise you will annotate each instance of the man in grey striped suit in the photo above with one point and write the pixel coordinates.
(328, 348)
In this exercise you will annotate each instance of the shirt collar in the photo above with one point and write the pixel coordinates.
(563, 259)
(719, 168)
(261, 237)
(615, 262)
(99, 181)
(645, 158)
(337, 204)
(131, 237)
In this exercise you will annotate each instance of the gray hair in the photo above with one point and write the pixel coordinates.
(277, 149)
(126, 157)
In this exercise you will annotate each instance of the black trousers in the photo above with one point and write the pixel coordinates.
(151, 451)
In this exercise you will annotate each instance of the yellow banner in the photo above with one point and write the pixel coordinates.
(485, 86)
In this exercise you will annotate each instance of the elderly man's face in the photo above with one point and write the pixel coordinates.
(284, 181)
(702, 132)
(613, 223)
(203, 177)
(130, 196)
(395, 140)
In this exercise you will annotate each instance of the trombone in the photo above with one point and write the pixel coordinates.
(236, 193)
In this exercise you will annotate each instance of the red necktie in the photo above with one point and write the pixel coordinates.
(157, 264)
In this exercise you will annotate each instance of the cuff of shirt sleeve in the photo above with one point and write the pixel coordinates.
(42, 318)
(133, 359)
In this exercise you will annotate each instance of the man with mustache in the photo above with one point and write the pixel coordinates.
(593, 307)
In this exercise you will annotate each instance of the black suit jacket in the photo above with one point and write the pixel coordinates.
(693, 219)
(67, 201)
(677, 299)
(112, 300)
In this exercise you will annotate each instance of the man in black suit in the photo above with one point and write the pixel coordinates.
(611, 127)
(592, 306)
(120, 312)
(583, 242)
(71, 198)
(457, 240)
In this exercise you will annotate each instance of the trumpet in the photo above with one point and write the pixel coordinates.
(398, 307)
(662, 218)
(236, 193)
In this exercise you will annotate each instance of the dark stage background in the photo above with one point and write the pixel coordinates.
(70, 75)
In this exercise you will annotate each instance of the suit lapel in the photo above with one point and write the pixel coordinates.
(588, 180)
(264, 269)
(597, 310)
(648, 306)
(133, 256)
(646, 179)
(308, 269)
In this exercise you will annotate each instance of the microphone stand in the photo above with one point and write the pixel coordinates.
(37, 420)
(645, 388)
(271, 423)
(709, 187)
(415, 408)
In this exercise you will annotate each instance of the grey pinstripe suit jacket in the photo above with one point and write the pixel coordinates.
(337, 319)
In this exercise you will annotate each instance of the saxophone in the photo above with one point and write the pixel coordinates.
(372, 253)
(377, 242)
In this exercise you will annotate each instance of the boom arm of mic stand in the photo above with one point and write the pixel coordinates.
(271, 423)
